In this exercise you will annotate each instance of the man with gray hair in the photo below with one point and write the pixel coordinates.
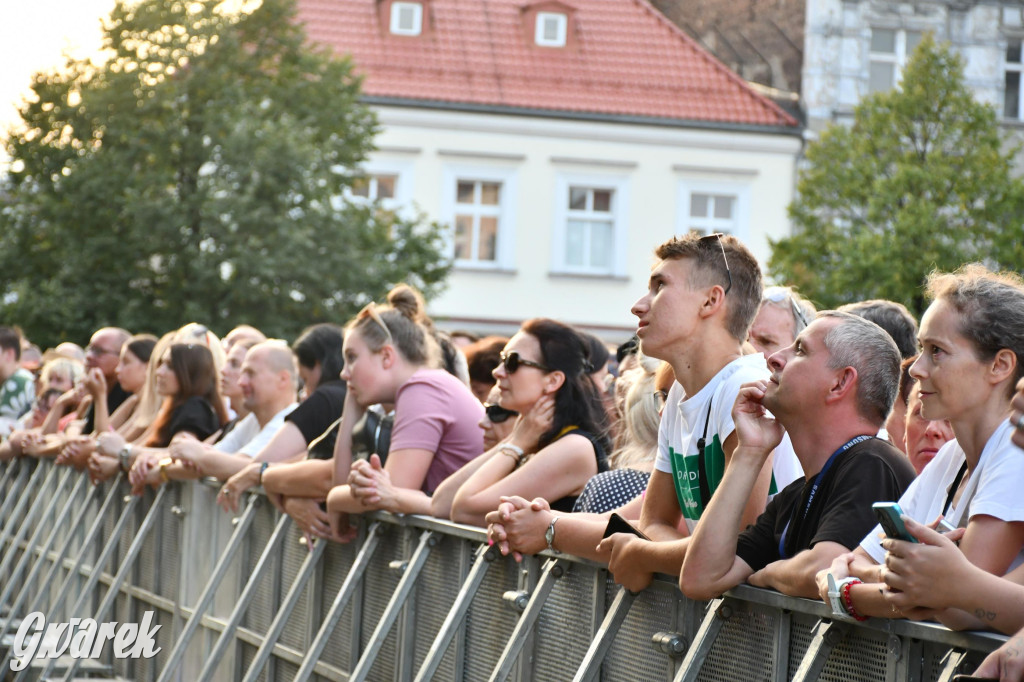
(830, 391)
(783, 314)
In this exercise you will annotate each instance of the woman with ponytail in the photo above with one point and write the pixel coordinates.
(558, 441)
(392, 357)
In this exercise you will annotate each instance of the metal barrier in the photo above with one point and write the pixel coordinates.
(413, 599)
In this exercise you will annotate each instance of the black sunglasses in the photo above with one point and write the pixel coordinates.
(728, 272)
(498, 414)
(513, 361)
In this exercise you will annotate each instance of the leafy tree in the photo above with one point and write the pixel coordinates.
(921, 180)
(198, 175)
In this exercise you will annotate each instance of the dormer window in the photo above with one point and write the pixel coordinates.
(406, 18)
(551, 29)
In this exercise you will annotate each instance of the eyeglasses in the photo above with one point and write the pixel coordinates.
(728, 272)
(498, 414)
(98, 350)
(370, 310)
(513, 361)
(661, 397)
(780, 295)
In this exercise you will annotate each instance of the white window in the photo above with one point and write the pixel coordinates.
(375, 187)
(479, 204)
(1011, 96)
(388, 181)
(707, 208)
(589, 229)
(406, 18)
(890, 50)
(551, 29)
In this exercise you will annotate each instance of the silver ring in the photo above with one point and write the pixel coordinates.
(1018, 423)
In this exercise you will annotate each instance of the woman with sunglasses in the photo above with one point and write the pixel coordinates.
(557, 442)
(391, 356)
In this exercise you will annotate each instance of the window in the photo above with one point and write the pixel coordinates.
(406, 18)
(589, 229)
(1011, 96)
(551, 29)
(709, 207)
(373, 187)
(890, 50)
(477, 217)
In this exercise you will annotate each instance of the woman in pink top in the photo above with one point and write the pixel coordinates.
(391, 357)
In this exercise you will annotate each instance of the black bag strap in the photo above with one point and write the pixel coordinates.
(702, 467)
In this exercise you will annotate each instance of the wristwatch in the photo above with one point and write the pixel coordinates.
(549, 534)
(835, 596)
(124, 457)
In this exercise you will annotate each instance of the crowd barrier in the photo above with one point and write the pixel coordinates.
(413, 599)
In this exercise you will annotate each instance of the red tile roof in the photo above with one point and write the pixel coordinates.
(624, 58)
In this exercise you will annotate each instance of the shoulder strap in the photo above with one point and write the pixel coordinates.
(702, 467)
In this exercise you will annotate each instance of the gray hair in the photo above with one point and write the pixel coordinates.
(786, 298)
(891, 316)
(863, 345)
(991, 308)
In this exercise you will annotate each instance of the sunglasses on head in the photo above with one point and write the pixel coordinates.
(513, 361)
(781, 296)
(498, 414)
(728, 273)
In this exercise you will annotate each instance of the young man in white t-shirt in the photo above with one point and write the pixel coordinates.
(702, 297)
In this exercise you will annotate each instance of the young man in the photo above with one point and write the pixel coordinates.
(17, 386)
(830, 392)
(702, 296)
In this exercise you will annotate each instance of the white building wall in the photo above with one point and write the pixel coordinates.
(650, 168)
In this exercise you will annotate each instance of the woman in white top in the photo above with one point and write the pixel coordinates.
(972, 347)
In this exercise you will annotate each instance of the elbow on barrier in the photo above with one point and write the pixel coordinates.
(413, 598)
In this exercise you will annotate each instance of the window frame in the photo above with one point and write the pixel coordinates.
(509, 194)
(897, 59)
(401, 203)
(562, 25)
(1018, 68)
(685, 189)
(396, 13)
(619, 186)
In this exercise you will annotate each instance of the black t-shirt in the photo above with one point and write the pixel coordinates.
(319, 411)
(566, 503)
(870, 471)
(196, 416)
(115, 396)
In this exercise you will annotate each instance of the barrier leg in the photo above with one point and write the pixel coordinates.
(485, 555)
(287, 606)
(221, 569)
(398, 599)
(40, 527)
(714, 618)
(826, 636)
(950, 662)
(213, 660)
(348, 588)
(553, 570)
(591, 665)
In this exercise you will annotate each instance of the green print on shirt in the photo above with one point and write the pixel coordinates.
(685, 475)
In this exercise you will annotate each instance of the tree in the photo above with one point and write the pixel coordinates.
(199, 174)
(919, 181)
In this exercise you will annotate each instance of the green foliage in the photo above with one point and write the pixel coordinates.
(919, 181)
(198, 175)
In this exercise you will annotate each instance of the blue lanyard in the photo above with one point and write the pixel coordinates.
(814, 488)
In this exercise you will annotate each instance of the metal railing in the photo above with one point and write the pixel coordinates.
(413, 599)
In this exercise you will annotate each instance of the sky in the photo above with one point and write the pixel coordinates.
(34, 34)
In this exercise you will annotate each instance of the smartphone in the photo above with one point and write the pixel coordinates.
(888, 514)
(617, 524)
(972, 678)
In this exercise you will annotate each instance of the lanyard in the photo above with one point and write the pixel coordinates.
(953, 488)
(814, 488)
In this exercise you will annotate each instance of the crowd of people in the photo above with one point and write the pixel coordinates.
(739, 436)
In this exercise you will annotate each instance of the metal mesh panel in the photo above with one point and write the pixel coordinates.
(248, 653)
(861, 656)
(285, 671)
(295, 630)
(632, 656)
(435, 593)
(565, 625)
(800, 635)
(743, 648)
(489, 623)
(379, 584)
(261, 609)
(168, 533)
(931, 662)
(337, 561)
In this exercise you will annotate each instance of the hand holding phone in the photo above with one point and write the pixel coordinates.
(617, 524)
(888, 514)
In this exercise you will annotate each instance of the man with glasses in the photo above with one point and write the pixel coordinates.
(702, 295)
(102, 354)
(782, 316)
(17, 385)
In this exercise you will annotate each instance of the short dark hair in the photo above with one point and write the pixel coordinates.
(321, 344)
(744, 298)
(892, 317)
(597, 354)
(482, 357)
(10, 339)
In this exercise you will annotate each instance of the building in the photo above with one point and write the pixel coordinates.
(561, 141)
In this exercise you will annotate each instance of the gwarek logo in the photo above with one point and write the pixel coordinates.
(82, 638)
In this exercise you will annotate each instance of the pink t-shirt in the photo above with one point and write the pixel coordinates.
(437, 412)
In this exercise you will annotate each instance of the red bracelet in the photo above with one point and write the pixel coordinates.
(848, 601)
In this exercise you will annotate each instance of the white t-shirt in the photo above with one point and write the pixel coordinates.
(250, 438)
(682, 426)
(992, 489)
